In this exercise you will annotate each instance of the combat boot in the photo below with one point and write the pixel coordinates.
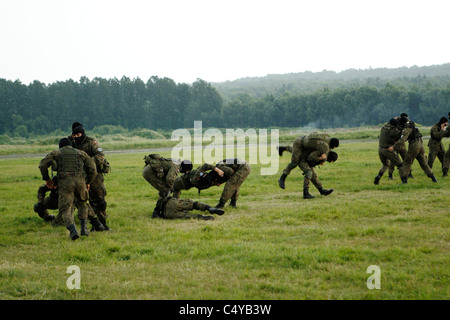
(233, 204)
(73, 232)
(281, 150)
(410, 175)
(96, 224)
(103, 221)
(306, 194)
(404, 180)
(433, 178)
(217, 211)
(377, 179)
(84, 230)
(390, 176)
(445, 173)
(221, 204)
(282, 180)
(325, 192)
(156, 213)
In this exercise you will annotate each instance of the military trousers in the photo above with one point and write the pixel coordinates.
(310, 175)
(72, 191)
(446, 164)
(97, 194)
(180, 208)
(232, 186)
(401, 150)
(435, 149)
(388, 159)
(416, 150)
(296, 155)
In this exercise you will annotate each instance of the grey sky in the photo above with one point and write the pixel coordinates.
(57, 40)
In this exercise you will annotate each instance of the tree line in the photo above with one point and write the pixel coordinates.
(160, 103)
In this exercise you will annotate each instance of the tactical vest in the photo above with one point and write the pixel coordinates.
(69, 162)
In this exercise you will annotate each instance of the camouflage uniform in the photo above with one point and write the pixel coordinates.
(416, 150)
(198, 178)
(173, 208)
(51, 203)
(75, 170)
(236, 171)
(316, 143)
(388, 135)
(47, 203)
(97, 191)
(161, 173)
(435, 145)
(307, 161)
(446, 164)
(399, 149)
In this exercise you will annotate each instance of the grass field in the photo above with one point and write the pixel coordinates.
(274, 246)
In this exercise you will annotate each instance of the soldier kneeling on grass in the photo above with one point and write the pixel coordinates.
(173, 208)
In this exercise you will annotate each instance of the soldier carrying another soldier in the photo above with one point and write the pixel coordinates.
(317, 147)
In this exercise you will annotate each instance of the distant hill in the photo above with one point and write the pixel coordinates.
(304, 82)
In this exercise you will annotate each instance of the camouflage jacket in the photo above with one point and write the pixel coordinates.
(93, 149)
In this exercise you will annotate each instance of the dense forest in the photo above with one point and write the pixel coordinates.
(323, 100)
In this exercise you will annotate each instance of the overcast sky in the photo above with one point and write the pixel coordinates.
(57, 40)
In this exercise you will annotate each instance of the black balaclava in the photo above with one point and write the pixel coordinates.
(76, 124)
(76, 130)
(186, 166)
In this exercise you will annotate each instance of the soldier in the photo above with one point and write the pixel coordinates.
(161, 174)
(44, 203)
(204, 177)
(173, 208)
(388, 135)
(306, 164)
(435, 145)
(401, 149)
(317, 144)
(97, 193)
(446, 165)
(416, 150)
(235, 172)
(51, 202)
(76, 170)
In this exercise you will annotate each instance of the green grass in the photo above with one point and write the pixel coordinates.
(275, 245)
